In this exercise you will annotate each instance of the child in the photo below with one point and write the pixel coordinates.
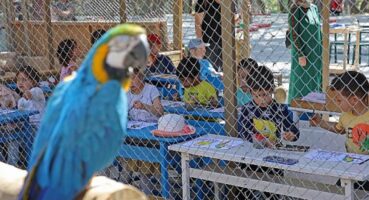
(143, 100)
(243, 92)
(8, 98)
(207, 72)
(97, 35)
(143, 105)
(263, 119)
(33, 98)
(336, 7)
(67, 55)
(64, 10)
(158, 63)
(352, 90)
(196, 91)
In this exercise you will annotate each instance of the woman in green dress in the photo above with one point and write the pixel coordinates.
(306, 51)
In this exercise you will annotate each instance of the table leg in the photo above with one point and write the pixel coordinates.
(349, 188)
(216, 191)
(357, 48)
(185, 158)
(345, 45)
(164, 179)
(28, 129)
(296, 117)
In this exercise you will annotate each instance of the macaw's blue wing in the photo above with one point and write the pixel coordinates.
(79, 139)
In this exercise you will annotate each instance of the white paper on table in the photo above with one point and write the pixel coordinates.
(221, 109)
(6, 111)
(172, 103)
(212, 143)
(336, 156)
(168, 76)
(139, 124)
(315, 97)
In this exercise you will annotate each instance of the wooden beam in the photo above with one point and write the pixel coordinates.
(49, 31)
(10, 18)
(11, 10)
(325, 38)
(245, 47)
(229, 66)
(122, 11)
(177, 24)
(26, 27)
(11, 181)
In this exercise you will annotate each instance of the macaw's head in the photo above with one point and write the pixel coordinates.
(118, 51)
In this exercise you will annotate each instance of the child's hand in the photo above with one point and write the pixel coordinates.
(138, 105)
(302, 61)
(315, 120)
(193, 99)
(73, 68)
(189, 106)
(213, 102)
(149, 61)
(289, 136)
(27, 95)
(269, 144)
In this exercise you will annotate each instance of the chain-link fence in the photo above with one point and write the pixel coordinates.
(239, 99)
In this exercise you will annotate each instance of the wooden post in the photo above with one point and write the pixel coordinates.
(229, 66)
(326, 52)
(122, 11)
(25, 9)
(325, 37)
(26, 27)
(10, 18)
(177, 24)
(246, 18)
(49, 31)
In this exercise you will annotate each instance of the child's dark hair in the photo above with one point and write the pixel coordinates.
(64, 51)
(260, 77)
(247, 63)
(188, 68)
(351, 83)
(96, 35)
(29, 71)
(137, 71)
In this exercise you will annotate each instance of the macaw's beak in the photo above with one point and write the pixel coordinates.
(122, 59)
(126, 84)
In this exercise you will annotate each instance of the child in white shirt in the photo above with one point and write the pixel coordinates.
(33, 98)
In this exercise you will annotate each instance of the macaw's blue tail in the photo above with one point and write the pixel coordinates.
(32, 190)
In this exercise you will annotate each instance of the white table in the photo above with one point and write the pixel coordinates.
(245, 153)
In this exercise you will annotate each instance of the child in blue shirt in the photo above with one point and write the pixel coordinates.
(243, 92)
(197, 50)
(158, 63)
(263, 119)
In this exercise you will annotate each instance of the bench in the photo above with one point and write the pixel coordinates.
(11, 180)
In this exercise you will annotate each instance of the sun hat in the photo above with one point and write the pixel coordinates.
(196, 43)
(154, 38)
(171, 125)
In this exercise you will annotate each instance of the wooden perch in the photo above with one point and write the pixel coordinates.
(101, 188)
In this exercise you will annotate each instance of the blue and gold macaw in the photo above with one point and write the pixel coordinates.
(85, 119)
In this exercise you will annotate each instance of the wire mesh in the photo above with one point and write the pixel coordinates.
(239, 99)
